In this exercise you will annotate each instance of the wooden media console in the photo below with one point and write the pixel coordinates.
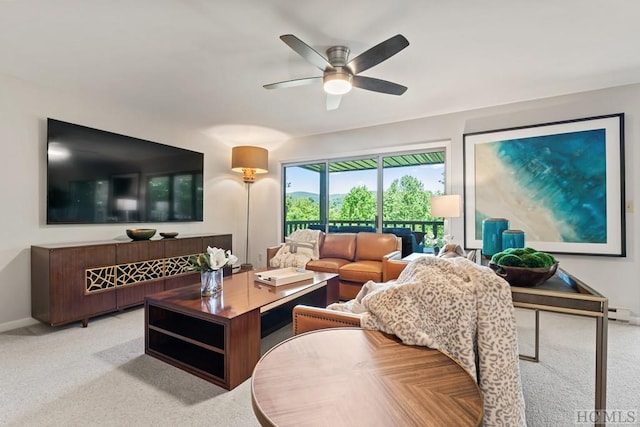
(75, 281)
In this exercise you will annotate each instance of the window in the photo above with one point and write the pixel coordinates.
(352, 194)
(304, 196)
(368, 193)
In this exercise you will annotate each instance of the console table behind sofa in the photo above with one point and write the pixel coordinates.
(76, 281)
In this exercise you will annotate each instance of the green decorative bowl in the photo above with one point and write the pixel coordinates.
(523, 276)
(141, 233)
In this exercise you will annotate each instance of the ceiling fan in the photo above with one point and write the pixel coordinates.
(339, 76)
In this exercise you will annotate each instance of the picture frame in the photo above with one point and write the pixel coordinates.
(562, 183)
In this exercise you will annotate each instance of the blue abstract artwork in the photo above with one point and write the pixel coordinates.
(561, 183)
(554, 187)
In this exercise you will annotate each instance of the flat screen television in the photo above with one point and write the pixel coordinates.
(99, 177)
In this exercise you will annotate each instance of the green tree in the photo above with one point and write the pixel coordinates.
(358, 204)
(406, 199)
(302, 209)
(334, 209)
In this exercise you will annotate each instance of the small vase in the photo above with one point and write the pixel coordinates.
(492, 229)
(512, 239)
(210, 282)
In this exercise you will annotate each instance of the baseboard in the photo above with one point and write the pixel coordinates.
(15, 324)
(619, 314)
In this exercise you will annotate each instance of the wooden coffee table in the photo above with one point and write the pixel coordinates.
(358, 377)
(218, 338)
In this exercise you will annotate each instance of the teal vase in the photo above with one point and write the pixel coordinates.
(512, 239)
(492, 229)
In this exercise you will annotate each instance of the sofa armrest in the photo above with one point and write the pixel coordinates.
(397, 254)
(391, 268)
(271, 252)
(307, 318)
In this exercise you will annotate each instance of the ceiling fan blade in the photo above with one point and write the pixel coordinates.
(333, 101)
(304, 50)
(293, 83)
(377, 85)
(378, 53)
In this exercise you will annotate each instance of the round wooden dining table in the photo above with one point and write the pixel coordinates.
(359, 377)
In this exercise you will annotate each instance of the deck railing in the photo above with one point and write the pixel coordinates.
(419, 228)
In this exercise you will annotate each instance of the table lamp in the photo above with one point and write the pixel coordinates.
(446, 206)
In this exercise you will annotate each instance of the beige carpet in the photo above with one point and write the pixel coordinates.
(100, 376)
(561, 385)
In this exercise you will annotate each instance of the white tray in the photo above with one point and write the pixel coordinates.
(283, 276)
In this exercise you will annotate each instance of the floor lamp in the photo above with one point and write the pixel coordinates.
(250, 161)
(445, 207)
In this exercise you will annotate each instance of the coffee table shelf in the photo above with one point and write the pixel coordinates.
(188, 342)
(188, 328)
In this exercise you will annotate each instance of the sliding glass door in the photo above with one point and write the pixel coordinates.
(377, 193)
(353, 204)
(409, 181)
(305, 197)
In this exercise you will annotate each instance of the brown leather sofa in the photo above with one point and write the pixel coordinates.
(307, 318)
(355, 257)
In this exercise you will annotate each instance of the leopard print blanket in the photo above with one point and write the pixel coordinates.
(462, 309)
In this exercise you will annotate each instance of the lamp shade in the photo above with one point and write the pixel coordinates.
(249, 160)
(445, 206)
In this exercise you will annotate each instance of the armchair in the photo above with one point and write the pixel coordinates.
(307, 318)
(489, 354)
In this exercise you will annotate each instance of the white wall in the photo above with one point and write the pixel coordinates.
(614, 277)
(23, 112)
(24, 109)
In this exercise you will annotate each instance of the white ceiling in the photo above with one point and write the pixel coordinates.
(203, 62)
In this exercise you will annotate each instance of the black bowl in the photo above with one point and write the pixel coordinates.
(524, 276)
(169, 234)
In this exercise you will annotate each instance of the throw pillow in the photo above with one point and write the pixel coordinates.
(309, 249)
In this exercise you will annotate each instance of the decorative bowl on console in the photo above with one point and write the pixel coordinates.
(141, 233)
(169, 234)
(524, 276)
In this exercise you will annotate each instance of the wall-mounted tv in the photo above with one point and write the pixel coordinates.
(98, 177)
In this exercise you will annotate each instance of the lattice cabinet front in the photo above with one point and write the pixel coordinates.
(133, 273)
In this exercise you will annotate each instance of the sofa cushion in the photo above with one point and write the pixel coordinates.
(327, 265)
(373, 246)
(340, 245)
(361, 271)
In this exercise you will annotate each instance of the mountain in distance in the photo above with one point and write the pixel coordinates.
(304, 195)
(337, 198)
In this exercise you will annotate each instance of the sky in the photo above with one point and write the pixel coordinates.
(299, 179)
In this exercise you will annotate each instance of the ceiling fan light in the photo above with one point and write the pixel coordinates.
(337, 84)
